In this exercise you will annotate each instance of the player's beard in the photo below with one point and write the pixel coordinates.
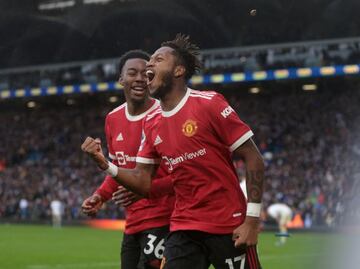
(165, 86)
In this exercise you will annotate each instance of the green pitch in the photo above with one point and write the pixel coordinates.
(43, 247)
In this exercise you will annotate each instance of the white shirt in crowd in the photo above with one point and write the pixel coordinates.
(56, 207)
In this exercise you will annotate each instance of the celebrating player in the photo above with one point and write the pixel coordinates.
(147, 220)
(196, 133)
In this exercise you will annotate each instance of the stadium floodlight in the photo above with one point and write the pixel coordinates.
(254, 90)
(103, 2)
(52, 5)
(309, 87)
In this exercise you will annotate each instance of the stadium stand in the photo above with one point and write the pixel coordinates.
(310, 142)
(216, 61)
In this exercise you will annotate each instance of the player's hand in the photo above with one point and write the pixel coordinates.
(92, 205)
(124, 198)
(93, 148)
(247, 233)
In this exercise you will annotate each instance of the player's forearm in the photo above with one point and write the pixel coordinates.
(134, 180)
(254, 178)
(107, 188)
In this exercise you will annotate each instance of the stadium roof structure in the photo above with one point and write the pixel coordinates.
(90, 29)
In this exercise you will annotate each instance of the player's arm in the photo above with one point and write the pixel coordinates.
(103, 193)
(247, 233)
(254, 165)
(160, 187)
(137, 180)
(223, 117)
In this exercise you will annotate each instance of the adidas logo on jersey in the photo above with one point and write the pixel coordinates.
(158, 140)
(120, 137)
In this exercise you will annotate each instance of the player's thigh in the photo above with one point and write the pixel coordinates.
(181, 252)
(130, 252)
(224, 255)
(152, 246)
(285, 219)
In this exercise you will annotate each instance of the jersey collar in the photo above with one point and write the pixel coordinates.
(142, 115)
(178, 106)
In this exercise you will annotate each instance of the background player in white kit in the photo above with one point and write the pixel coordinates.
(56, 212)
(282, 213)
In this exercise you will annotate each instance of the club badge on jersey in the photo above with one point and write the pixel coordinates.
(189, 128)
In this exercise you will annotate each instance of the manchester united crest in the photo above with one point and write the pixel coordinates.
(189, 128)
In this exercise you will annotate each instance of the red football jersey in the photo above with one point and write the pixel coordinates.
(123, 135)
(196, 140)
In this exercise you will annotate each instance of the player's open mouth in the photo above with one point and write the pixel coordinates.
(150, 76)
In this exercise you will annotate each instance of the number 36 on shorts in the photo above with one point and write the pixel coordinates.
(154, 246)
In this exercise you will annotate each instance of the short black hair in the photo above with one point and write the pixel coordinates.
(187, 53)
(133, 54)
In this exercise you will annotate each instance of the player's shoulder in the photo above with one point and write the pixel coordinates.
(203, 95)
(207, 99)
(153, 115)
(116, 111)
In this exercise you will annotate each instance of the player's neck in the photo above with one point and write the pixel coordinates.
(172, 98)
(135, 109)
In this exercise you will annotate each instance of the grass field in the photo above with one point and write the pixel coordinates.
(43, 247)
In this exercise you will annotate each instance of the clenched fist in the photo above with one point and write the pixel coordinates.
(93, 148)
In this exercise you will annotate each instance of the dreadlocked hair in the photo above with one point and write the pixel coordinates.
(133, 54)
(187, 52)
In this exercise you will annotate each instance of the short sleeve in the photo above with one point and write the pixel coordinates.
(147, 153)
(228, 126)
(112, 154)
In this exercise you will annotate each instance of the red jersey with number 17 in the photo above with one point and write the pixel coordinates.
(196, 140)
(123, 134)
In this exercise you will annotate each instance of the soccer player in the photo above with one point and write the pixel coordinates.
(196, 134)
(57, 211)
(147, 220)
(282, 213)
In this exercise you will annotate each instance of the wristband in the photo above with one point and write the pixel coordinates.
(112, 170)
(253, 210)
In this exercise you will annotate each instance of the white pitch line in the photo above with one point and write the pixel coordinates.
(73, 265)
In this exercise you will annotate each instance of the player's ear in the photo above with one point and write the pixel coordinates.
(179, 71)
(121, 80)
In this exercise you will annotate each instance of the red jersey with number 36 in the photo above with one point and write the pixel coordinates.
(123, 135)
(196, 140)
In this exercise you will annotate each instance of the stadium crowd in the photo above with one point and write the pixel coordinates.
(310, 141)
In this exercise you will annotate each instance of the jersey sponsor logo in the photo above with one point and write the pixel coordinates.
(158, 140)
(189, 128)
(171, 162)
(120, 137)
(123, 158)
(227, 111)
